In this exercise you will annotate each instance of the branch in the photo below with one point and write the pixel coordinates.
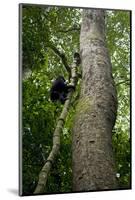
(121, 82)
(70, 29)
(62, 57)
(43, 175)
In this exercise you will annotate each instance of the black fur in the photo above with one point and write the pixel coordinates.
(59, 90)
(77, 58)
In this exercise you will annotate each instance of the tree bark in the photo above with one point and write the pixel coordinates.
(92, 158)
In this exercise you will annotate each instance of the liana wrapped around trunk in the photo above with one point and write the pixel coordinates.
(43, 175)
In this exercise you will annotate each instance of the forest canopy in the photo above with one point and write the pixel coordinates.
(50, 36)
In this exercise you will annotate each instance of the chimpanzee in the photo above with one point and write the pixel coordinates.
(59, 90)
(77, 58)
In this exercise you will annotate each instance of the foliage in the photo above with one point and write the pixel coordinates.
(45, 27)
(118, 41)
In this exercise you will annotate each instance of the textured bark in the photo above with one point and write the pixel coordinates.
(93, 163)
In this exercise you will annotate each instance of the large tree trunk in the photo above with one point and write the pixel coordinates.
(93, 163)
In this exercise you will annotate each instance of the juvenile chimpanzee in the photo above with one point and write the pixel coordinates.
(59, 90)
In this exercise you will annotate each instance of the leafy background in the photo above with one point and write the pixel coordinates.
(44, 28)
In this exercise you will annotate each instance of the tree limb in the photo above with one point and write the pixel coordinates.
(121, 82)
(70, 29)
(43, 175)
(62, 57)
